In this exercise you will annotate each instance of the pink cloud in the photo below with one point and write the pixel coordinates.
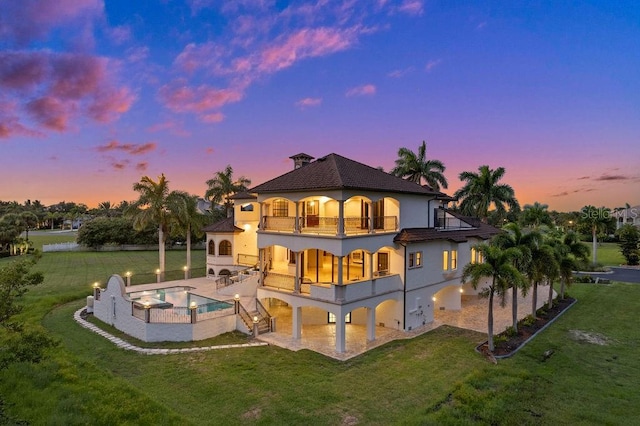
(120, 165)
(60, 87)
(214, 117)
(51, 113)
(411, 7)
(120, 34)
(400, 72)
(182, 98)
(308, 102)
(365, 90)
(209, 150)
(432, 64)
(142, 166)
(197, 56)
(28, 20)
(130, 148)
(137, 54)
(304, 43)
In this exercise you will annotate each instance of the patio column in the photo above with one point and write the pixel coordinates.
(340, 333)
(371, 324)
(370, 257)
(371, 231)
(340, 279)
(296, 322)
(261, 225)
(341, 218)
(296, 223)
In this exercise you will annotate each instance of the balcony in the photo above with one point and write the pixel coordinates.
(332, 292)
(320, 225)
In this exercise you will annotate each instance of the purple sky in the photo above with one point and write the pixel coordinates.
(93, 96)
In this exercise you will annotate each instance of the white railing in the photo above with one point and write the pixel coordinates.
(60, 247)
(279, 223)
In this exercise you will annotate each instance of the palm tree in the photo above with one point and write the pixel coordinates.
(596, 220)
(543, 267)
(415, 168)
(151, 207)
(222, 186)
(482, 190)
(29, 221)
(525, 243)
(185, 217)
(498, 265)
(568, 249)
(535, 214)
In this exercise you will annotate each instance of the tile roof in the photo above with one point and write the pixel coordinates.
(480, 230)
(243, 196)
(336, 172)
(224, 225)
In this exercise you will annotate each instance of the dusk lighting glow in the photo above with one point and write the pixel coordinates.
(96, 94)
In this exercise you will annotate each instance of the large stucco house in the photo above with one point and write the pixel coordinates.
(337, 241)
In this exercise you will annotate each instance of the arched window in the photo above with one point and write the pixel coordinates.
(211, 271)
(225, 248)
(212, 248)
(224, 272)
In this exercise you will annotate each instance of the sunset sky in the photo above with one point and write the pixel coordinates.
(94, 95)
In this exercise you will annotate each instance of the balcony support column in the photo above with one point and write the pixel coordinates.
(296, 284)
(371, 228)
(341, 218)
(296, 322)
(261, 263)
(371, 324)
(370, 258)
(340, 333)
(296, 224)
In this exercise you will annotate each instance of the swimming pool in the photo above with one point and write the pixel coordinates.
(177, 297)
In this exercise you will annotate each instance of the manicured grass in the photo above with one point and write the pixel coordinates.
(436, 378)
(41, 237)
(609, 254)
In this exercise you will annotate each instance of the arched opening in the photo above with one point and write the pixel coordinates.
(211, 272)
(224, 272)
(211, 251)
(225, 248)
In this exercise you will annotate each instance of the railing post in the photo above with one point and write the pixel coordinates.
(193, 307)
(147, 313)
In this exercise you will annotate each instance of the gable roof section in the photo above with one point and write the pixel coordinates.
(221, 226)
(336, 172)
(418, 235)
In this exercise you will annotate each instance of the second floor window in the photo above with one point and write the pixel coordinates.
(212, 248)
(280, 208)
(415, 259)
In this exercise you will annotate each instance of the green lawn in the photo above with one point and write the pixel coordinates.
(609, 254)
(436, 378)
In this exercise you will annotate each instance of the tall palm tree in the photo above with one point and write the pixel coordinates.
(498, 266)
(152, 207)
(185, 217)
(543, 267)
(568, 249)
(535, 215)
(222, 186)
(526, 244)
(596, 220)
(482, 190)
(415, 167)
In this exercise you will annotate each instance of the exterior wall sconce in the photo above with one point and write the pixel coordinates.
(158, 275)
(128, 276)
(186, 272)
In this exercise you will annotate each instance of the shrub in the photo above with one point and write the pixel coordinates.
(528, 321)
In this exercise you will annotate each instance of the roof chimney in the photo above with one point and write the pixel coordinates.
(300, 160)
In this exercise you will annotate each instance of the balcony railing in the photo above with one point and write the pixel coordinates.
(319, 225)
(450, 223)
(353, 225)
(280, 223)
(332, 292)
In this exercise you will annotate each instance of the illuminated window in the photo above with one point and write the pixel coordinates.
(454, 259)
(280, 208)
(332, 318)
(415, 259)
(225, 248)
(476, 256)
(445, 260)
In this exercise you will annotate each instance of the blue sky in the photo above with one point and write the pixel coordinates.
(96, 95)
